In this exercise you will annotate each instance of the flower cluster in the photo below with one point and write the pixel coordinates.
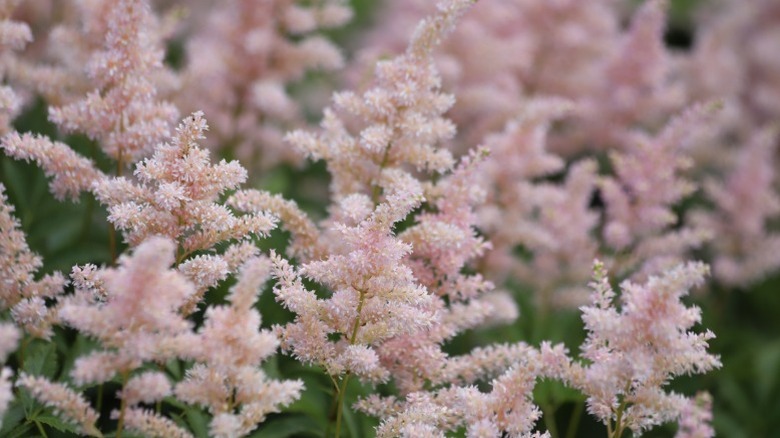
(499, 151)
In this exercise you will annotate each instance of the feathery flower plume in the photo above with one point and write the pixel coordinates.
(633, 350)
(227, 378)
(139, 319)
(649, 179)
(556, 48)
(9, 338)
(400, 123)
(123, 113)
(70, 173)
(14, 35)
(19, 291)
(507, 408)
(249, 53)
(552, 222)
(745, 201)
(66, 403)
(152, 425)
(695, 418)
(176, 195)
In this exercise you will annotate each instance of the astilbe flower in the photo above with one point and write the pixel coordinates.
(249, 53)
(733, 58)
(70, 173)
(19, 290)
(9, 338)
(695, 418)
(176, 195)
(650, 178)
(123, 113)
(506, 52)
(637, 87)
(14, 35)
(400, 125)
(227, 378)
(139, 318)
(375, 296)
(633, 350)
(745, 202)
(507, 408)
(66, 403)
(136, 321)
(552, 222)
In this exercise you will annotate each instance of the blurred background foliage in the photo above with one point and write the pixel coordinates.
(746, 390)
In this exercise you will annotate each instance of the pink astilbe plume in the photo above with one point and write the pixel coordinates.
(123, 113)
(636, 347)
(734, 58)
(507, 408)
(14, 35)
(695, 418)
(746, 250)
(70, 173)
(505, 51)
(637, 87)
(374, 295)
(249, 53)
(9, 338)
(177, 195)
(19, 290)
(227, 378)
(649, 180)
(552, 222)
(401, 127)
(66, 403)
(138, 320)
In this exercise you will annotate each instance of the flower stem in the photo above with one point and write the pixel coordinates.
(122, 408)
(343, 389)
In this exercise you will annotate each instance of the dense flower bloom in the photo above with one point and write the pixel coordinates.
(249, 53)
(65, 402)
(122, 114)
(227, 378)
(177, 195)
(634, 349)
(19, 290)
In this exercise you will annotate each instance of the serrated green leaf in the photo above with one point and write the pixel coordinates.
(12, 418)
(54, 422)
(41, 359)
(23, 430)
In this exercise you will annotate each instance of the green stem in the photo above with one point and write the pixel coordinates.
(619, 428)
(100, 397)
(122, 408)
(343, 389)
(574, 423)
(376, 190)
(40, 429)
(549, 420)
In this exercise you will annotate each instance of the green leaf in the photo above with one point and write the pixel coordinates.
(54, 422)
(198, 422)
(23, 431)
(41, 359)
(288, 426)
(12, 418)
